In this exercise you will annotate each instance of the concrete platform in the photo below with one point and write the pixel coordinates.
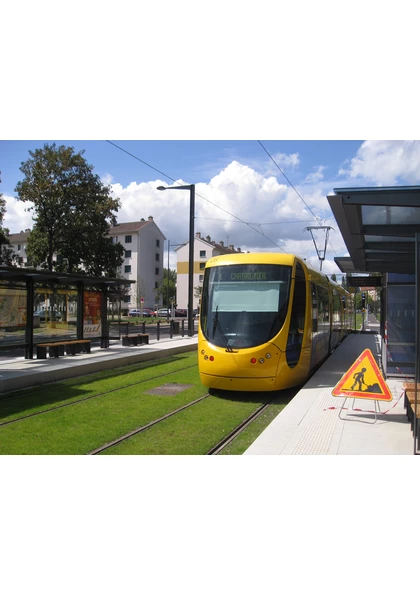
(17, 373)
(311, 425)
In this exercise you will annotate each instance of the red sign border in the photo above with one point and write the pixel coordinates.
(386, 396)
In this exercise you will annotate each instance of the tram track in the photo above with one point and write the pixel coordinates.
(145, 427)
(216, 449)
(223, 443)
(92, 396)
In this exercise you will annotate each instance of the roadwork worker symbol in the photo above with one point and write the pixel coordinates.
(359, 379)
(363, 380)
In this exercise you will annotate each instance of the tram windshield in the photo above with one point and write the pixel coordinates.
(244, 305)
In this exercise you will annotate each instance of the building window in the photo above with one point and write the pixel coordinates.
(157, 257)
(202, 253)
(156, 270)
(127, 268)
(128, 253)
(201, 278)
(127, 239)
(157, 242)
(18, 247)
(127, 298)
(202, 265)
(156, 285)
(114, 239)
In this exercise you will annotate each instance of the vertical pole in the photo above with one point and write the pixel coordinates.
(167, 284)
(191, 263)
(29, 330)
(417, 368)
(80, 311)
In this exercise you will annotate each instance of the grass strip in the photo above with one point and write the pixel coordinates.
(24, 402)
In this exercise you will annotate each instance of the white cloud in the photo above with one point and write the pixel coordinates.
(386, 162)
(316, 175)
(289, 161)
(238, 206)
(17, 218)
(269, 216)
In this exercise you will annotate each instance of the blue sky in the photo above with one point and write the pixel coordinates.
(256, 195)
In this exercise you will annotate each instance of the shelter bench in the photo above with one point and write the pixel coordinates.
(57, 349)
(135, 339)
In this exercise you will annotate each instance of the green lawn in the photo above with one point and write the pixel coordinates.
(116, 402)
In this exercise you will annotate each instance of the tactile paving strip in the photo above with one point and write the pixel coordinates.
(315, 434)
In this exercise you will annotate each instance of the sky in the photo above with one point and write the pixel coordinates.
(256, 195)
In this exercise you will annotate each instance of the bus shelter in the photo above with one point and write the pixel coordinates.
(381, 230)
(36, 305)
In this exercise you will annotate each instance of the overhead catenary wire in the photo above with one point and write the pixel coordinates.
(200, 196)
(288, 180)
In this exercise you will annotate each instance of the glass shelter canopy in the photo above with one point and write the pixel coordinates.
(378, 226)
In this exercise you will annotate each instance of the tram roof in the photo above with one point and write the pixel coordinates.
(378, 226)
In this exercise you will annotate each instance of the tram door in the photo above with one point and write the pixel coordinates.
(297, 318)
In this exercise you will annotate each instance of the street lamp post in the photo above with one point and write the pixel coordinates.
(191, 188)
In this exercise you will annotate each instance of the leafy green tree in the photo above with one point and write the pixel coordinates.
(7, 256)
(73, 212)
(161, 291)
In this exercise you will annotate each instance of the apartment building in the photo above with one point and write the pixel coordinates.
(204, 249)
(143, 244)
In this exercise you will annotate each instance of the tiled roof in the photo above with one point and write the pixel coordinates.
(21, 237)
(127, 227)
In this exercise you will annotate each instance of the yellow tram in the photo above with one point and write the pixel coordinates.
(267, 320)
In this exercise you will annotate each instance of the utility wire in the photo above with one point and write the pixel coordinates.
(282, 172)
(199, 195)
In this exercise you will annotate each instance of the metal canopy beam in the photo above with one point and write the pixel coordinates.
(385, 254)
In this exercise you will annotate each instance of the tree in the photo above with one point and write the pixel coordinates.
(73, 212)
(161, 291)
(7, 256)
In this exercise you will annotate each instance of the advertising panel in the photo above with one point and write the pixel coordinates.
(12, 307)
(92, 314)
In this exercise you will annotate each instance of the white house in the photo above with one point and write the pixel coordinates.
(204, 249)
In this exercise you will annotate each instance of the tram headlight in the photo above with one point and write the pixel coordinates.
(262, 360)
(268, 355)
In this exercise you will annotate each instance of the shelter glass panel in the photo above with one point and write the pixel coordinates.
(401, 325)
(390, 215)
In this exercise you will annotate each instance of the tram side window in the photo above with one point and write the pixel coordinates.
(323, 307)
(297, 320)
(336, 310)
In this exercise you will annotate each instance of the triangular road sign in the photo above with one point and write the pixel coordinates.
(363, 380)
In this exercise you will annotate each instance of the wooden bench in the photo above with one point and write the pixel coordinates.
(57, 349)
(135, 339)
(410, 405)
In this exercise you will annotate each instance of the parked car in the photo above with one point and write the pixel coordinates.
(181, 313)
(137, 313)
(162, 312)
(42, 314)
